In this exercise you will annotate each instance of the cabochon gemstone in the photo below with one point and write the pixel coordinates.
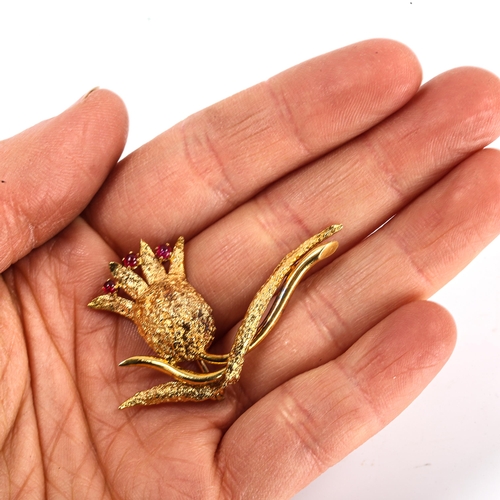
(131, 260)
(163, 252)
(109, 287)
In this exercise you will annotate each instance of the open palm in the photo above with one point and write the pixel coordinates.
(344, 138)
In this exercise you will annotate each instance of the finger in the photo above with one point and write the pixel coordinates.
(202, 168)
(409, 259)
(50, 172)
(310, 423)
(360, 185)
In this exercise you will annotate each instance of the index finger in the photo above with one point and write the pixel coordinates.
(214, 161)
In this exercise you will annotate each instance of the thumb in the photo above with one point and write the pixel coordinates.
(50, 172)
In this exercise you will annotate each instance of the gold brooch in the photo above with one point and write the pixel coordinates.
(177, 323)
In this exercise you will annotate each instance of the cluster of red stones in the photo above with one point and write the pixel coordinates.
(162, 252)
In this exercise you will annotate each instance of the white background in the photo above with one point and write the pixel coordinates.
(169, 59)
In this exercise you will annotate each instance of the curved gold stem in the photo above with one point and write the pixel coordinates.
(202, 366)
(289, 285)
(179, 374)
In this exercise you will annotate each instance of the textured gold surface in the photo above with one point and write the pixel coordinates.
(177, 323)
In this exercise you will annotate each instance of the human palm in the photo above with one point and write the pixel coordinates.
(343, 138)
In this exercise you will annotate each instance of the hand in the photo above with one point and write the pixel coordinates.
(344, 138)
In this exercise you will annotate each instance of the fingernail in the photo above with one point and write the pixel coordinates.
(88, 93)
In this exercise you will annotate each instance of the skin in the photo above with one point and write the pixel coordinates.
(347, 138)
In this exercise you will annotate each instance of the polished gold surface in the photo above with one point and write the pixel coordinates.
(177, 323)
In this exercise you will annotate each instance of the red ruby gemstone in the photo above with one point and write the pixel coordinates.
(164, 252)
(109, 287)
(130, 260)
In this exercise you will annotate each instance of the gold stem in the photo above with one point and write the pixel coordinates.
(179, 374)
(290, 283)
